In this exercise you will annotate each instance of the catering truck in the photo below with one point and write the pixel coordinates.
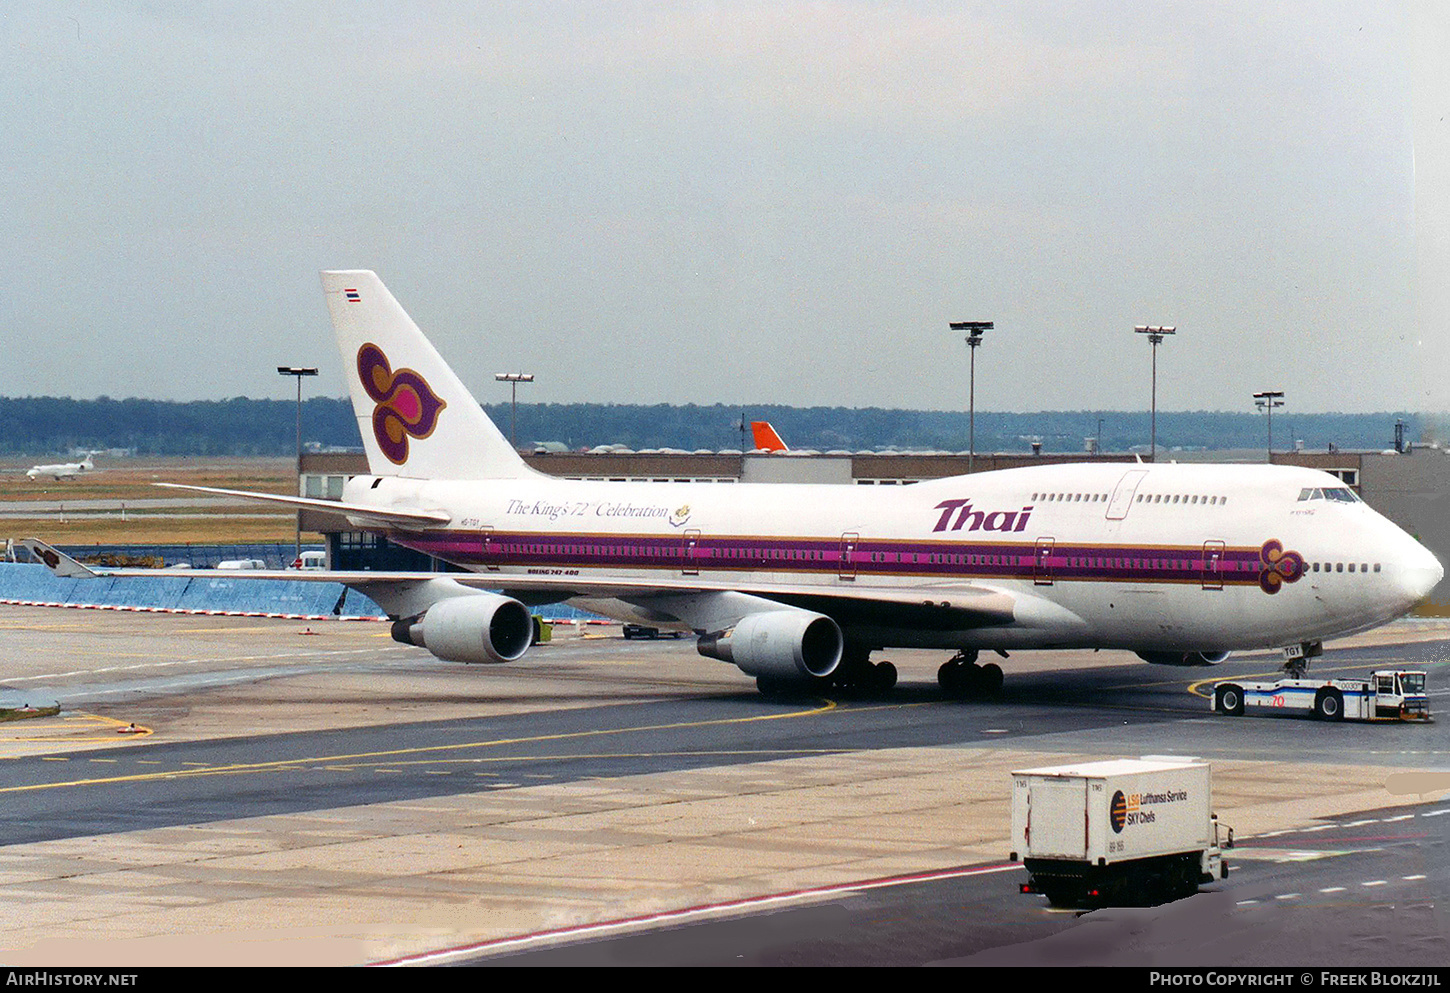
(1387, 695)
(1123, 832)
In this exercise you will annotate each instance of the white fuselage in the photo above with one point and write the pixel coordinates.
(59, 471)
(1145, 557)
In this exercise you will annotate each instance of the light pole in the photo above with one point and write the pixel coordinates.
(1267, 401)
(974, 331)
(514, 379)
(298, 372)
(1155, 334)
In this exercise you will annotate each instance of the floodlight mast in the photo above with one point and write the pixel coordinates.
(514, 379)
(974, 331)
(298, 372)
(1267, 401)
(1155, 334)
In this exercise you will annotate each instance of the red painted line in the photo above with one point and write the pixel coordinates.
(601, 928)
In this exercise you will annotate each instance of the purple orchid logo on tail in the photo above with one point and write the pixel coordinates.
(1278, 566)
(406, 405)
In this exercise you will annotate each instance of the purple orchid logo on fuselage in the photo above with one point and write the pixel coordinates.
(1278, 566)
(406, 405)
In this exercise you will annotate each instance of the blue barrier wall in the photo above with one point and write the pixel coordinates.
(206, 591)
(188, 591)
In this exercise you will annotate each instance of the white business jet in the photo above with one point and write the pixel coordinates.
(798, 584)
(63, 470)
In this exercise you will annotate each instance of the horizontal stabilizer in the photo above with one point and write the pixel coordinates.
(359, 511)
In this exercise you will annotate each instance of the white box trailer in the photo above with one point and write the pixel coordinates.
(1130, 832)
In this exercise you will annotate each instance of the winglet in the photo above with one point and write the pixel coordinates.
(57, 561)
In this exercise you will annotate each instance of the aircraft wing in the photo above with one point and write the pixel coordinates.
(679, 599)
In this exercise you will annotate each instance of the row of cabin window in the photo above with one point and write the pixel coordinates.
(1193, 498)
(1339, 567)
(1217, 501)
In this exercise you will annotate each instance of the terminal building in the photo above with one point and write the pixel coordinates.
(1411, 488)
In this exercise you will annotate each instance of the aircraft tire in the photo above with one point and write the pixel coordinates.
(884, 677)
(954, 679)
(967, 680)
(991, 679)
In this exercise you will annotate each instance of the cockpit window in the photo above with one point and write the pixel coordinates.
(1339, 494)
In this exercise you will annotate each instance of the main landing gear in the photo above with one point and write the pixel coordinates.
(859, 674)
(962, 678)
(855, 675)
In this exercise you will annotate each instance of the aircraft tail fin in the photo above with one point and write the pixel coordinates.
(766, 438)
(57, 561)
(416, 417)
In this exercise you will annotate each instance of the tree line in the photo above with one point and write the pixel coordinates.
(241, 426)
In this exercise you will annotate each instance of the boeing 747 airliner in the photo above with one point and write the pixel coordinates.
(798, 584)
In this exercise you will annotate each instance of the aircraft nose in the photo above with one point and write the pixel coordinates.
(1420, 574)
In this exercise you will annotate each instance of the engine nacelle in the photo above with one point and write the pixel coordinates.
(484, 627)
(786, 644)
(1183, 658)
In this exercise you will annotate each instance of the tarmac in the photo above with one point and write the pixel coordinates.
(383, 882)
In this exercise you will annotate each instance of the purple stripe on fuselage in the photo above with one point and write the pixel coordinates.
(823, 556)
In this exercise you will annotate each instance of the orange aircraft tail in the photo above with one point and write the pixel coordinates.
(766, 438)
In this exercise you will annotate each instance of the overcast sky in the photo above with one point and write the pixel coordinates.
(736, 202)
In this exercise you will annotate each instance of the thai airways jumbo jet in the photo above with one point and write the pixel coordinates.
(63, 470)
(799, 584)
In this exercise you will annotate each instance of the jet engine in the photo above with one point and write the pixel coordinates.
(1183, 658)
(484, 627)
(781, 644)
